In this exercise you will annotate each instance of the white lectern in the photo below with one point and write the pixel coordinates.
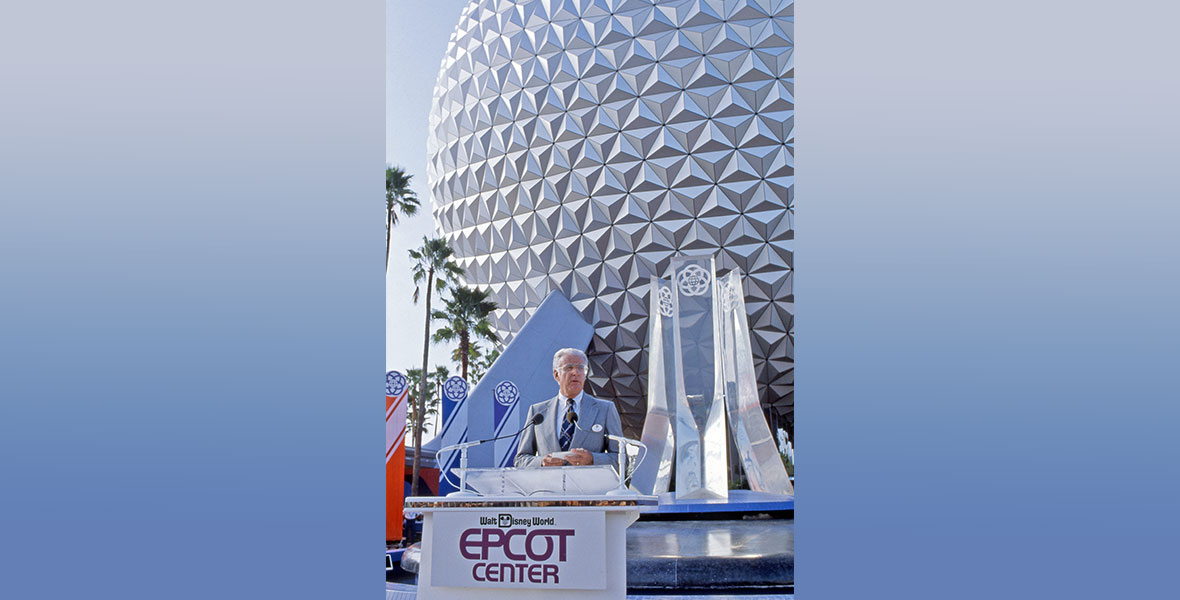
(530, 544)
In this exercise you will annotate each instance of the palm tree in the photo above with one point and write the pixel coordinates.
(474, 351)
(412, 399)
(398, 197)
(438, 378)
(466, 315)
(432, 265)
(481, 362)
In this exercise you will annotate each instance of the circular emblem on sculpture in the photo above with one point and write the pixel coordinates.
(455, 388)
(506, 393)
(665, 299)
(395, 383)
(729, 297)
(597, 428)
(693, 280)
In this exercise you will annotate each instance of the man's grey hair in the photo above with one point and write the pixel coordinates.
(575, 352)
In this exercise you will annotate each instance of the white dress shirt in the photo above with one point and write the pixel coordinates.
(564, 404)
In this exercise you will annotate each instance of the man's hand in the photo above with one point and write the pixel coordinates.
(576, 457)
(580, 457)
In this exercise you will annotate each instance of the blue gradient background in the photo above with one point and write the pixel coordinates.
(986, 317)
(191, 328)
(192, 300)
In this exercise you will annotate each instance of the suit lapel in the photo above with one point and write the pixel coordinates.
(552, 418)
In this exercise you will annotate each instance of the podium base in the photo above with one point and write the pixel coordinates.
(595, 527)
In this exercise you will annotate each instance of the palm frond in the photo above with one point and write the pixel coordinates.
(398, 195)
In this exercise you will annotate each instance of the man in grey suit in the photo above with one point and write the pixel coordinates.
(556, 441)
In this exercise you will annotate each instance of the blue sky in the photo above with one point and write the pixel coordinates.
(416, 40)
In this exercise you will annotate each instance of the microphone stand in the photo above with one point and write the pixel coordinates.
(462, 492)
(622, 490)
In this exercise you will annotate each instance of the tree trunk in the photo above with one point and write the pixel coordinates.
(464, 347)
(438, 415)
(422, 388)
(388, 226)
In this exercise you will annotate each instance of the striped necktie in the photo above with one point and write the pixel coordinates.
(567, 426)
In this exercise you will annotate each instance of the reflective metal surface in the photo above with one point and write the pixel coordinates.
(579, 146)
(759, 455)
(705, 363)
(654, 473)
(699, 410)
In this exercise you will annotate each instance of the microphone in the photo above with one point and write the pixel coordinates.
(536, 420)
(462, 448)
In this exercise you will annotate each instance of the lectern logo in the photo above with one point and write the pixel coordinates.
(693, 280)
(515, 555)
(520, 548)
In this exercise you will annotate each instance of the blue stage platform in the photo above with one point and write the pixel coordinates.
(739, 501)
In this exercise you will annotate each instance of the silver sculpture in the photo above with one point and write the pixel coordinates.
(700, 373)
(578, 145)
(654, 473)
(760, 458)
(699, 383)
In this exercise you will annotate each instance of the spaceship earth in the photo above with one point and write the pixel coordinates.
(578, 145)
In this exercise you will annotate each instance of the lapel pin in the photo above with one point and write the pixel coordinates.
(597, 428)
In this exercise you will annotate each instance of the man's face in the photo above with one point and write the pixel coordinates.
(570, 374)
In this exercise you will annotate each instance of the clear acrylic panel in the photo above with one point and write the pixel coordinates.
(751, 435)
(654, 474)
(699, 412)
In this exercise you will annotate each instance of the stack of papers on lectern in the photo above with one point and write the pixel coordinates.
(590, 480)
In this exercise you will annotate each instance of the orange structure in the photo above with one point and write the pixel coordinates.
(396, 391)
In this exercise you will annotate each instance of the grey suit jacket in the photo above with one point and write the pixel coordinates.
(538, 440)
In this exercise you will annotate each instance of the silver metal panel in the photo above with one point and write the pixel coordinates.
(700, 407)
(759, 454)
(579, 146)
(654, 474)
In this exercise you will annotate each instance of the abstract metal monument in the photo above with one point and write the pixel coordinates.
(699, 394)
(701, 372)
(579, 145)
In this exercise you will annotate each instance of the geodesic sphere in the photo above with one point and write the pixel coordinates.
(579, 145)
